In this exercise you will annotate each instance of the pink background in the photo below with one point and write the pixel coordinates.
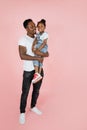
(63, 97)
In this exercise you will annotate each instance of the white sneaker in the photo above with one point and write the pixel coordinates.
(36, 110)
(22, 118)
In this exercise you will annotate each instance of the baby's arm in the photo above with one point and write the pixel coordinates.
(43, 44)
(34, 43)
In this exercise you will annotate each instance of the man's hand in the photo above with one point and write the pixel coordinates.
(40, 59)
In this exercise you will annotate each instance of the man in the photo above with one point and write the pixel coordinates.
(26, 54)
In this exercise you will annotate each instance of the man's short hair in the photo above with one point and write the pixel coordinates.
(25, 23)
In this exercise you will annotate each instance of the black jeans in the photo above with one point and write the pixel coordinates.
(27, 78)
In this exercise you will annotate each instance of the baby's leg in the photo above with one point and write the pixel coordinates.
(36, 66)
(36, 69)
(40, 67)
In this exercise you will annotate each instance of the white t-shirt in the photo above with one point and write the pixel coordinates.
(27, 42)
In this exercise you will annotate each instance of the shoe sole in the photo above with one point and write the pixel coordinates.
(36, 112)
(38, 79)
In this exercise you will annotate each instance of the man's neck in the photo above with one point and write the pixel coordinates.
(30, 35)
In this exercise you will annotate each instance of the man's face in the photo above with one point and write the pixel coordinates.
(31, 28)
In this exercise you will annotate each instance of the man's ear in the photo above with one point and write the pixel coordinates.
(26, 29)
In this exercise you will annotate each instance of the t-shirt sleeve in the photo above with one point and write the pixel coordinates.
(45, 36)
(21, 42)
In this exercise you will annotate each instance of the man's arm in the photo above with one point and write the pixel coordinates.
(39, 53)
(24, 56)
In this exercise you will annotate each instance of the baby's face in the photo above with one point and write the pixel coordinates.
(41, 27)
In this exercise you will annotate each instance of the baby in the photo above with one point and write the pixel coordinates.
(40, 43)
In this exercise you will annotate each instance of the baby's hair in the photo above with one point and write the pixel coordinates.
(43, 21)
